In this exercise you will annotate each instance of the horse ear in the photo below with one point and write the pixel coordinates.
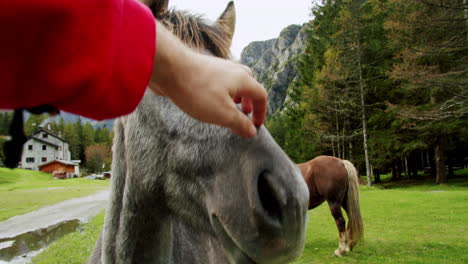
(158, 7)
(227, 20)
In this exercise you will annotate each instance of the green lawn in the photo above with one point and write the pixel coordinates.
(425, 224)
(75, 247)
(23, 191)
(421, 223)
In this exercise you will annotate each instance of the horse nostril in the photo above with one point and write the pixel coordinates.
(268, 199)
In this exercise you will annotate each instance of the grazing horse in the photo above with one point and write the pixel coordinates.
(336, 181)
(184, 191)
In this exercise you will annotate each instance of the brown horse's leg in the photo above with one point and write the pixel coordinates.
(343, 247)
(349, 243)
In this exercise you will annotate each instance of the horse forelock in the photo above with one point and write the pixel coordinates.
(196, 32)
(178, 122)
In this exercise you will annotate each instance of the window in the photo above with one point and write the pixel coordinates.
(30, 147)
(44, 159)
(30, 160)
(44, 135)
(44, 147)
(60, 148)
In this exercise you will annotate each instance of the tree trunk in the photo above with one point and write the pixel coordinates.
(414, 166)
(337, 126)
(400, 168)
(429, 164)
(465, 6)
(406, 167)
(364, 123)
(450, 166)
(432, 165)
(422, 160)
(333, 147)
(377, 176)
(395, 171)
(441, 175)
(343, 144)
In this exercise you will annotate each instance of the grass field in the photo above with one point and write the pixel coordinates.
(75, 247)
(416, 222)
(23, 191)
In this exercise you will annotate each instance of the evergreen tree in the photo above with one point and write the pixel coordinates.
(71, 136)
(5, 120)
(431, 70)
(88, 135)
(33, 123)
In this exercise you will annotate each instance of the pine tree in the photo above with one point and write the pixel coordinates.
(431, 69)
(87, 135)
(5, 120)
(71, 136)
(33, 123)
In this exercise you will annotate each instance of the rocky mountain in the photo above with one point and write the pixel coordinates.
(273, 62)
(72, 118)
(69, 117)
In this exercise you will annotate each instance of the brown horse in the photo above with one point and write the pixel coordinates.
(335, 180)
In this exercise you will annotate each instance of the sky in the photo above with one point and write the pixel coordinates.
(256, 19)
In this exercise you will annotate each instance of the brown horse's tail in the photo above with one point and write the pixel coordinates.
(355, 226)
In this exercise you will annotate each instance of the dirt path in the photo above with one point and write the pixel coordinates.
(81, 208)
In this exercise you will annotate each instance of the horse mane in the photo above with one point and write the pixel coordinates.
(195, 31)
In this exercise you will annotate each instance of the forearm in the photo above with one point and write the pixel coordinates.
(204, 86)
(172, 63)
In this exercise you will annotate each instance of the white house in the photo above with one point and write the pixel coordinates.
(43, 146)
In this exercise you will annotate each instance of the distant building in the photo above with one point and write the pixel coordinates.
(61, 168)
(42, 147)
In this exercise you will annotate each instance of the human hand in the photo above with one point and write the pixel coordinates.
(206, 87)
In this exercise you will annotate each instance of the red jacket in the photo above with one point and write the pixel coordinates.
(89, 57)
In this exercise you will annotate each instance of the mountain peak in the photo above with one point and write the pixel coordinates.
(273, 62)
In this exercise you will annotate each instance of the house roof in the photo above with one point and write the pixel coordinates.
(64, 162)
(35, 137)
(43, 141)
(41, 129)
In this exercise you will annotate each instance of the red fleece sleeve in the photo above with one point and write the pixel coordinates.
(89, 57)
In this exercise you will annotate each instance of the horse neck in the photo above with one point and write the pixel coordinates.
(143, 237)
(305, 169)
(135, 230)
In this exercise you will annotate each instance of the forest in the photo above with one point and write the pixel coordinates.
(384, 84)
(91, 145)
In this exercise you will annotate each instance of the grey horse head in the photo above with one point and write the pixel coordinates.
(184, 191)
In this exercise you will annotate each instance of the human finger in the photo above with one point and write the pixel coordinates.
(259, 111)
(246, 105)
(242, 126)
(257, 94)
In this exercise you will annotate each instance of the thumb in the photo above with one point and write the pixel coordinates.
(242, 125)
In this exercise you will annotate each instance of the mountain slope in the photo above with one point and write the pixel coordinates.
(273, 62)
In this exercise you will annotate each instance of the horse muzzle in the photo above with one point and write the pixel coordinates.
(270, 228)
